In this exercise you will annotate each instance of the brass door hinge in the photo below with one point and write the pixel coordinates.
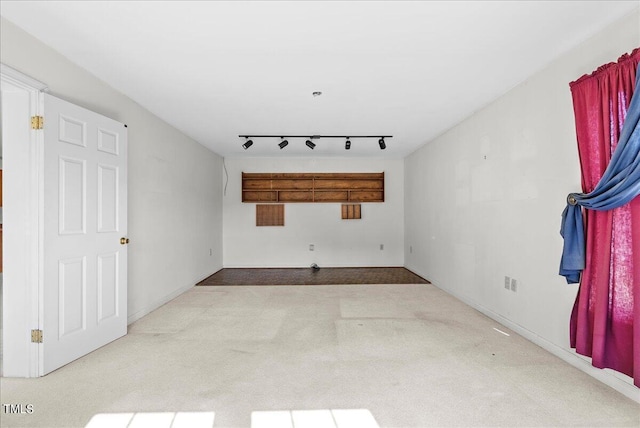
(36, 336)
(37, 122)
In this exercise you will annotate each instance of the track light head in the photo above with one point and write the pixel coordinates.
(247, 144)
(382, 144)
(310, 144)
(347, 144)
(283, 144)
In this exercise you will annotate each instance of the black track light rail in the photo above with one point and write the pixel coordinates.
(284, 143)
(314, 137)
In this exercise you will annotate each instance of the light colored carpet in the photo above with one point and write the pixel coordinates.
(322, 356)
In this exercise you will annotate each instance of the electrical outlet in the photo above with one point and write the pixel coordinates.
(312, 247)
(381, 247)
(507, 282)
(514, 285)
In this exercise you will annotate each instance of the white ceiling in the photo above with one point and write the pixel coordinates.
(408, 69)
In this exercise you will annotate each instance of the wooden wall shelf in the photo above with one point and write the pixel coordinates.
(313, 187)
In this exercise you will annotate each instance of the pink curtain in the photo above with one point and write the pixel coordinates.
(605, 322)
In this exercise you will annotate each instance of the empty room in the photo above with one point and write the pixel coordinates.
(320, 214)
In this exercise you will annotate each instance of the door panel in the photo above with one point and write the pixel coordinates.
(84, 302)
(72, 130)
(107, 286)
(107, 198)
(72, 184)
(72, 285)
(108, 142)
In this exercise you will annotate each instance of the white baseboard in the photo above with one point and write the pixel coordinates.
(620, 382)
(165, 299)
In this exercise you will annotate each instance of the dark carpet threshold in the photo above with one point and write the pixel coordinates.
(308, 276)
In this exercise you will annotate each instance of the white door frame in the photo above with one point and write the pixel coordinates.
(23, 218)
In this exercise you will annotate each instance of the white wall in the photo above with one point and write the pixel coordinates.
(484, 200)
(337, 242)
(175, 193)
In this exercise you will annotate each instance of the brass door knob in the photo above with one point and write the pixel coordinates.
(124, 241)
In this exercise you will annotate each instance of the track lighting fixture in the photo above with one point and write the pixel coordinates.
(248, 143)
(309, 143)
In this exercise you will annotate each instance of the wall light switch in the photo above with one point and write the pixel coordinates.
(514, 284)
(507, 282)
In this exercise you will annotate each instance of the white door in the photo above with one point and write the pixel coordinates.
(84, 294)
